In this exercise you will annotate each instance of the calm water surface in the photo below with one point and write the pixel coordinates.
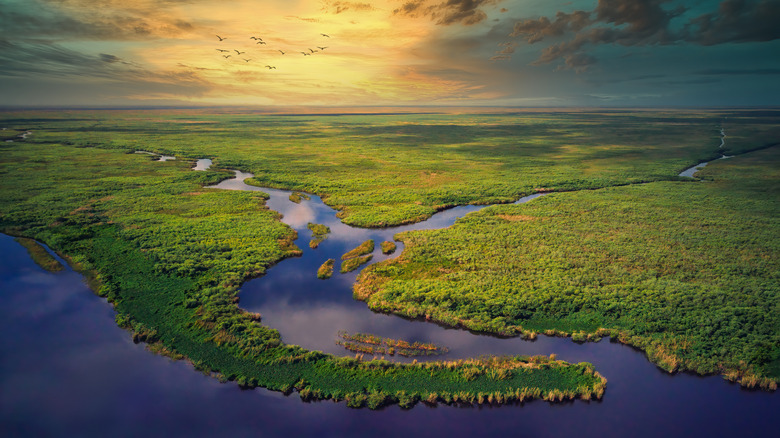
(66, 369)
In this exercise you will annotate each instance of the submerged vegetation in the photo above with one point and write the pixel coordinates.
(319, 233)
(297, 197)
(326, 270)
(39, 255)
(685, 271)
(377, 345)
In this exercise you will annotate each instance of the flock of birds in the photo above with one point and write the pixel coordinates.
(259, 40)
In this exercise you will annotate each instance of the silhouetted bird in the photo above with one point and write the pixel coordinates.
(269, 67)
(220, 38)
(223, 50)
(313, 51)
(321, 48)
(226, 56)
(247, 60)
(306, 54)
(281, 51)
(237, 52)
(255, 38)
(326, 36)
(261, 42)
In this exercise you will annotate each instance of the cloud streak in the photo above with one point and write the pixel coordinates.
(466, 12)
(46, 60)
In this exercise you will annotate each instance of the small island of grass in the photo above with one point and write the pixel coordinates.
(357, 256)
(319, 233)
(388, 247)
(326, 270)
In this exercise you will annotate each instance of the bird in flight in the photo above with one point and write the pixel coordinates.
(312, 51)
(326, 36)
(247, 60)
(321, 48)
(255, 38)
(306, 54)
(269, 67)
(222, 50)
(237, 52)
(281, 51)
(220, 38)
(226, 56)
(261, 42)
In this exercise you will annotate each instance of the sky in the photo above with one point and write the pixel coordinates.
(530, 53)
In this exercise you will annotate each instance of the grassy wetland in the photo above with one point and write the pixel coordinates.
(171, 255)
(684, 271)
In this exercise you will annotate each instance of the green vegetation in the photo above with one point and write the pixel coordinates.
(170, 256)
(39, 255)
(353, 263)
(388, 247)
(364, 248)
(394, 169)
(377, 345)
(357, 256)
(687, 271)
(326, 270)
(319, 233)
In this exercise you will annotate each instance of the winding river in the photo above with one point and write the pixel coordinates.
(66, 369)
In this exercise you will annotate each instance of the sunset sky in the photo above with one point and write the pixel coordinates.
(390, 52)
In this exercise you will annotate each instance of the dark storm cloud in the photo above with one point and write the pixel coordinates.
(46, 60)
(465, 12)
(536, 30)
(737, 21)
(647, 22)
